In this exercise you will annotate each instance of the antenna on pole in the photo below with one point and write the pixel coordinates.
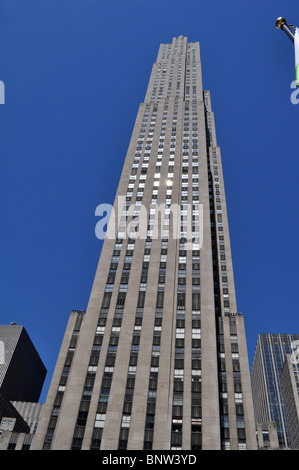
(281, 23)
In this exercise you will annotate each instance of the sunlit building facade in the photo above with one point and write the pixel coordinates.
(159, 358)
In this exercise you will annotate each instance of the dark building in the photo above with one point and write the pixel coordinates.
(22, 372)
(8, 411)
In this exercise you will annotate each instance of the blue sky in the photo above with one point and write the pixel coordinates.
(75, 72)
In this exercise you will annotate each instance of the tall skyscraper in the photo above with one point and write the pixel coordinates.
(270, 354)
(159, 359)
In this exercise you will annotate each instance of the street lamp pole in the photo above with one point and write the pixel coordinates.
(282, 24)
